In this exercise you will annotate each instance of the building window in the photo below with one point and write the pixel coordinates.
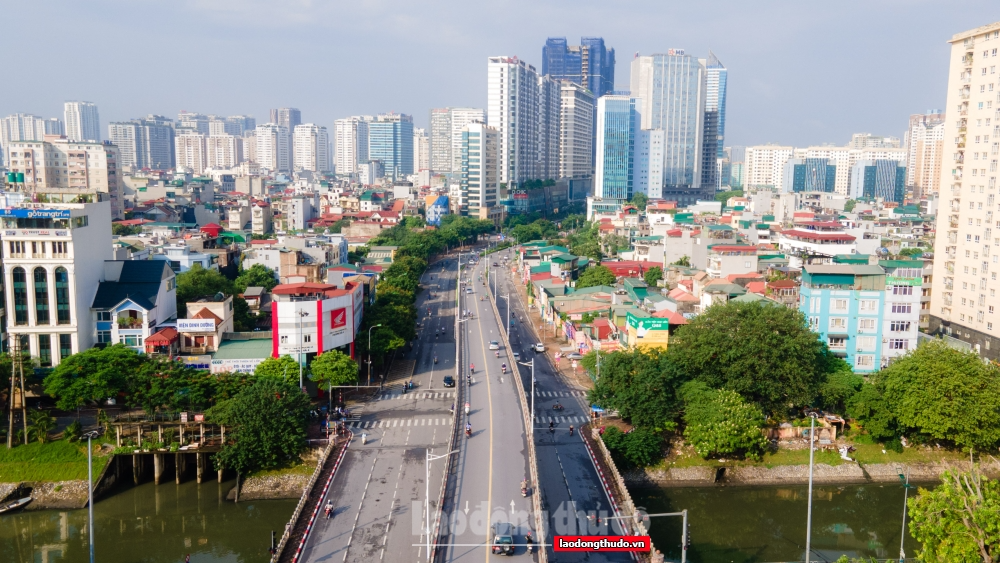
(864, 361)
(62, 296)
(17, 248)
(20, 296)
(65, 346)
(814, 323)
(104, 337)
(41, 296)
(866, 324)
(838, 323)
(44, 350)
(898, 344)
(901, 308)
(840, 304)
(129, 340)
(869, 305)
(104, 316)
(866, 343)
(899, 326)
(902, 290)
(307, 338)
(284, 339)
(837, 342)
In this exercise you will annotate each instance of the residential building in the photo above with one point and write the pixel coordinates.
(223, 151)
(134, 300)
(963, 303)
(924, 142)
(737, 167)
(447, 125)
(309, 319)
(82, 121)
(714, 135)
(390, 140)
(884, 179)
(261, 218)
(815, 242)
(673, 90)
(193, 120)
(312, 148)
(765, 166)
(66, 170)
(480, 175)
(589, 64)
(182, 257)
(289, 118)
(845, 304)
(809, 175)
(272, 148)
(26, 127)
(618, 120)
(144, 143)
(53, 262)
(370, 173)
(240, 124)
(576, 135)
(421, 150)
(901, 319)
(351, 143)
(191, 153)
(869, 141)
(207, 320)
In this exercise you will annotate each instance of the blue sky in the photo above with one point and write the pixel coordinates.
(800, 72)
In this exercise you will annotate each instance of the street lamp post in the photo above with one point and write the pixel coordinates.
(809, 515)
(532, 424)
(90, 489)
(427, 494)
(370, 352)
(905, 478)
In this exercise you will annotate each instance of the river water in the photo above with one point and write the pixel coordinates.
(768, 524)
(150, 524)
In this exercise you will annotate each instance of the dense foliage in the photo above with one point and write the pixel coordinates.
(933, 393)
(723, 197)
(640, 447)
(258, 275)
(268, 421)
(200, 282)
(653, 275)
(641, 386)
(333, 368)
(595, 276)
(958, 521)
(719, 422)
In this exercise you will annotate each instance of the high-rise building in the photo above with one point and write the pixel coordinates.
(447, 125)
(289, 118)
(144, 143)
(924, 141)
(737, 166)
(351, 149)
(882, 178)
(589, 64)
(964, 302)
(312, 148)
(673, 91)
(765, 165)
(809, 175)
(715, 120)
(223, 151)
(524, 108)
(618, 121)
(127, 136)
(576, 131)
(82, 121)
(390, 140)
(869, 141)
(480, 183)
(240, 124)
(26, 127)
(65, 170)
(272, 148)
(191, 150)
(421, 150)
(192, 120)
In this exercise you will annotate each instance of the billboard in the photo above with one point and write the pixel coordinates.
(338, 317)
(34, 213)
(202, 361)
(641, 325)
(195, 325)
(242, 365)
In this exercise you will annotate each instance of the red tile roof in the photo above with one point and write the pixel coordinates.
(163, 336)
(673, 317)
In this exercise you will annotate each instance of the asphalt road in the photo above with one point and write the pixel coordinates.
(379, 493)
(572, 497)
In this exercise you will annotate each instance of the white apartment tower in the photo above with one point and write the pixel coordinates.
(272, 147)
(223, 151)
(26, 127)
(447, 125)
(82, 122)
(421, 150)
(312, 148)
(480, 182)
(576, 135)
(964, 302)
(190, 150)
(351, 135)
(765, 165)
(924, 142)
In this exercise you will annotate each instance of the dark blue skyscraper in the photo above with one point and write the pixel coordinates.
(588, 64)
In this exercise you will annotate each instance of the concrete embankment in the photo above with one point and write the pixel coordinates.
(271, 487)
(845, 473)
(48, 494)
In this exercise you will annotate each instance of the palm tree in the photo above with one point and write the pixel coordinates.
(41, 423)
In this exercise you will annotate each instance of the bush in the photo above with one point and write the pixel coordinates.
(639, 448)
(73, 431)
(721, 423)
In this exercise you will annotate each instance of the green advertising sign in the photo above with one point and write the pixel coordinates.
(915, 282)
(647, 323)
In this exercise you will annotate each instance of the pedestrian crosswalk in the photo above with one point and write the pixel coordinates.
(565, 419)
(560, 393)
(391, 396)
(400, 422)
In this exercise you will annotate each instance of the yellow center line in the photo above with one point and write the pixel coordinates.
(489, 395)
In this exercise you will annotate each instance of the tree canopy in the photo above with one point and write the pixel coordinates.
(724, 196)
(719, 422)
(594, 276)
(653, 275)
(200, 282)
(959, 520)
(285, 368)
(333, 368)
(764, 352)
(641, 386)
(258, 275)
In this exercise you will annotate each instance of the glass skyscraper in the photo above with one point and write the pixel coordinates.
(390, 140)
(715, 119)
(590, 64)
(617, 130)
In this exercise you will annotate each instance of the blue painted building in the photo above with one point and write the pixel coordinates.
(436, 210)
(390, 140)
(882, 178)
(590, 64)
(617, 132)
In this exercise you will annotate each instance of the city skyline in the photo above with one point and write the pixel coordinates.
(767, 101)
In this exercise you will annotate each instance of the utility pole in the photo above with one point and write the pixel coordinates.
(90, 489)
(809, 514)
(427, 494)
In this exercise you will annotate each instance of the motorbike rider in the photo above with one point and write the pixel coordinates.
(570, 429)
(472, 368)
(329, 508)
(468, 429)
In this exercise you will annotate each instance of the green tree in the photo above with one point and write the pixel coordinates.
(839, 389)
(258, 275)
(849, 205)
(594, 276)
(958, 521)
(682, 261)
(244, 320)
(200, 282)
(641, 386)
(40, 424)
(911, 252)
(268, 423)
(941, 393)
(125, 230)
(653, 275)
(92, 376)
(333, 368)
(639, 200)
(285, 368)
(719, 422)
(872, 411)
(640, 447)
(724, 196)
(764, 352)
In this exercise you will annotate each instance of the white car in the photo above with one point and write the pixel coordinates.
(494, 345)
(539, 347)
(468, 290)
(517, 356)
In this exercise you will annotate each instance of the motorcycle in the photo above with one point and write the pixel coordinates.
(503, 368)
(557, 407)
(468, 432)
(472, 368)
(435, 359)
(496, 353)
(529, 542)
(570, 430)
(329, 511)
(524, 488)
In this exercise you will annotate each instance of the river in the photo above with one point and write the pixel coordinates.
(768, 524)
(150, 524)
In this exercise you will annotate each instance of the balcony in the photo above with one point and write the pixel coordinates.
(130, 323)
(198, 349)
